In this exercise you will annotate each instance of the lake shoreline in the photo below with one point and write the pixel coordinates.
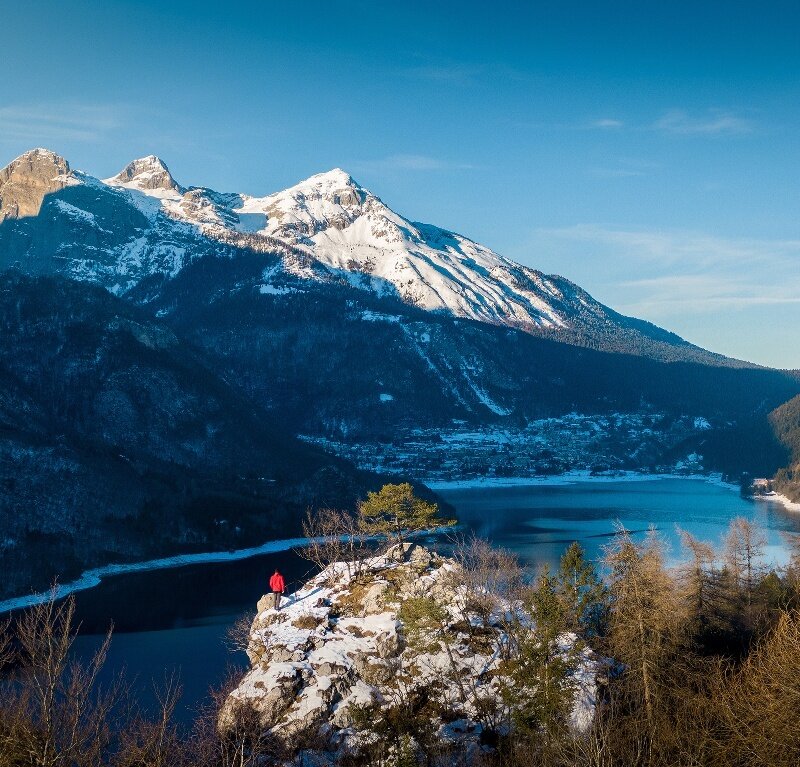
(781, 499)
(93, 577)
(570, 478)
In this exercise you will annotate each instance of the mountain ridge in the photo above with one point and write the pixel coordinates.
(141, 222)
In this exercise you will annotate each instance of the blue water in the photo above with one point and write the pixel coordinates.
(538, 522)
(175, 621)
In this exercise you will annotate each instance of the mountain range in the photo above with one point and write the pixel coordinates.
(165, 345)
(142, 223)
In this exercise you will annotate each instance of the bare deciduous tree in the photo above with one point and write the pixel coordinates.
(152, 741)
(55, 710)
(744, 551)
(334, 536)
(695, 579)
(758, 703)
(645, 615)
(488, 576)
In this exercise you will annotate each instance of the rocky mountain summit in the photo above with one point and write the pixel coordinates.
(142, 224)
(364, 643)
(147, 173)
(26, 181)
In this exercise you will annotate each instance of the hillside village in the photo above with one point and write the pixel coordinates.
(599, 444)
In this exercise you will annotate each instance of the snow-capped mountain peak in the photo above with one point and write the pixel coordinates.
(146, 174)
(355, 235)
(350, 229)
(336, 178)
(329, 228)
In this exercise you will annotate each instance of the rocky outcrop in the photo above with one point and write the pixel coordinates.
(147, 173)
(25, 182)
(361, 642)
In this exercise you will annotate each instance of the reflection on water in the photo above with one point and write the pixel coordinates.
(175, 620)
(537, 523)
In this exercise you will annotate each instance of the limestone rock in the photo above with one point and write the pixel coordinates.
(339, 655)
(26, 181)
(374, 598)
(149, 173)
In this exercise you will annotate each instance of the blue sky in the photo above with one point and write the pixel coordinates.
(649, 154)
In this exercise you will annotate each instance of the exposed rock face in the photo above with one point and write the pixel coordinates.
(25, 182)
(149, 173)
(358, 642)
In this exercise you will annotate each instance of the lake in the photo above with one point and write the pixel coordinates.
(175, 621)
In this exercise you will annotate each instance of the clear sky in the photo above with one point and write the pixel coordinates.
(648, 151)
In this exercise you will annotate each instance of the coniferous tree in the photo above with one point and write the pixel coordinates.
(394, 512)
(582, 593)
(644, 618)
(542, 665)
(744, 549)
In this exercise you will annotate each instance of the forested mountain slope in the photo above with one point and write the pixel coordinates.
(117, 441)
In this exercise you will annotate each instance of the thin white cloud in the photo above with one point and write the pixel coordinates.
(670, 247)
(712, 123)
(37, 123)
(462, 74)
(455, 74)
(678, 122)
(667, 275)
(607, 123)
(671, 295)
(601, 172)
(410, 162)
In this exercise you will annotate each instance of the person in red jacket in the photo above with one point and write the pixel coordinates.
(277, 585)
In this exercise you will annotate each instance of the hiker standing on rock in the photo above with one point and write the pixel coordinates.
(277, 586)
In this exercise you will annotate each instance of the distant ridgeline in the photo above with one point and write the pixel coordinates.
(163, 346)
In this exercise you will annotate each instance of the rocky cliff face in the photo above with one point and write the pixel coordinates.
(360, 645)
(25, 182)
(148, 174)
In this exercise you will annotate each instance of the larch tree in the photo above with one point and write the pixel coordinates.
(744, 552)
(696, 580)
(644, 618)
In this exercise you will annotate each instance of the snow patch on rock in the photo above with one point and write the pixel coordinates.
(340, 648)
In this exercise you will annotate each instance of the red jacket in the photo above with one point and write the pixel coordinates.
(277, 584)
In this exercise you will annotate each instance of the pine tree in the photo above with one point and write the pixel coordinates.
(394, 512)
(542, 667)
(582, 593)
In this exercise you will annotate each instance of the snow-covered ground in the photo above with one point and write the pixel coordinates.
(778, 498)
(573, 477)
(340, 647)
